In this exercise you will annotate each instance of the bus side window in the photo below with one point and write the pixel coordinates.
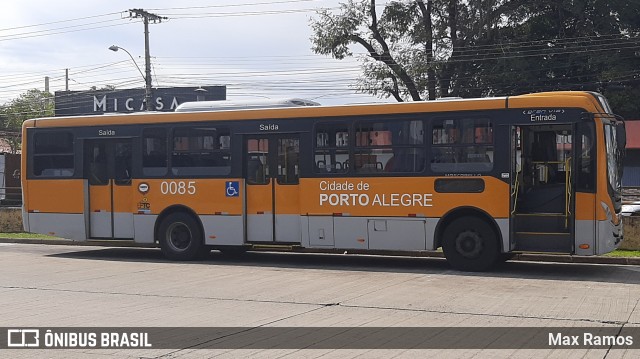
(200, 151)
(331, 147)
(53, 154)
(462, 145)
(390, 146)
(154, 152)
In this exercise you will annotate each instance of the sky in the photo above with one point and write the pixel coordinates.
(257, 48)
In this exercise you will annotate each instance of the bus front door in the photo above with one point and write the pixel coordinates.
(542, 191)
(107, 166)
(272, 188)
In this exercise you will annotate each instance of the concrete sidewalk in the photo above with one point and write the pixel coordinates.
(534, 257)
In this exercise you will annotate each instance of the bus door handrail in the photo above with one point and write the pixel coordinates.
(568, 191)
(514, 194)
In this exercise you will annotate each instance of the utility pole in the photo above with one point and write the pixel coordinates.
(146, 17)
(45, 100)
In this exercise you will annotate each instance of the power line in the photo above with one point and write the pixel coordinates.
(20, 37)
(58, 22)
(236, 14)
(234, 5)
(59, 28)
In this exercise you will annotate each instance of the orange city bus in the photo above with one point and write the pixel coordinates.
(481, 178)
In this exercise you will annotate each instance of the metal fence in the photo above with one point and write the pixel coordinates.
(630, 194)
(10, 196)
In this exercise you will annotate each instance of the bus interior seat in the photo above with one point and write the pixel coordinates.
(390, 165)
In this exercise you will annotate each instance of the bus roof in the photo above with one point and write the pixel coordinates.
(243, 105)
(575, 99)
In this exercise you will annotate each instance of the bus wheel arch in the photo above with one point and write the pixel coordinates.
(470, 239)
(180, 233)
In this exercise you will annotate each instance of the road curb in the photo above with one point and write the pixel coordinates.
(66, 242)
(517, 257)
(577, 259)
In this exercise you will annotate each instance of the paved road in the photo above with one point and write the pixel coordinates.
(60, 286)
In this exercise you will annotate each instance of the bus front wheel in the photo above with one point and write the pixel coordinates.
(470, 244)
(180, 237)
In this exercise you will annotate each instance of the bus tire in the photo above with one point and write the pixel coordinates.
(470, 244)
(180, 237)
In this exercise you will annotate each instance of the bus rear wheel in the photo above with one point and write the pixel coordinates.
(470, 244)
(180, 237)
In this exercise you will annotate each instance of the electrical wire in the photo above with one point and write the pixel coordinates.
(313, 74)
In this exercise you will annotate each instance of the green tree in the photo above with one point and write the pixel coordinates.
(392, 66)
(573, 45)
(415, 50)
(103, 88)
(427, 48)
(31, 104)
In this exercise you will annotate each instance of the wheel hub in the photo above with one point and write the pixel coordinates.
(469, 244)
(179, 236)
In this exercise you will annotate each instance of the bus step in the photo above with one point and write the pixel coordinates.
(558, 242)
(539, 215)
(274, 247)
(543, 233)
(550, 223)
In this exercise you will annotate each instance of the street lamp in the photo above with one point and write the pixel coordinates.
(147, 79)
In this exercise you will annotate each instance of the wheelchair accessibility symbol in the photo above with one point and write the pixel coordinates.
(232, 188)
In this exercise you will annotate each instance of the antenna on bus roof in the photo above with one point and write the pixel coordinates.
(243, 105)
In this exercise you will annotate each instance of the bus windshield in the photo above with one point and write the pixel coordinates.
(614, 142)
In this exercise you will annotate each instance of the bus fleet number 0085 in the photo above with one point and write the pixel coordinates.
(178, 187)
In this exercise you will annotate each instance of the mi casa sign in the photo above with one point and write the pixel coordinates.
(166, 99)
(130, 105)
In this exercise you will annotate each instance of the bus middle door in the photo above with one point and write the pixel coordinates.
(107, 164)
(272, 188)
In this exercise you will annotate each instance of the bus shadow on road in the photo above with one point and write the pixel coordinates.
(374, 263)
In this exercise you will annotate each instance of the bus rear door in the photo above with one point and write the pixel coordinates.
(272, 188)
(107, 164)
